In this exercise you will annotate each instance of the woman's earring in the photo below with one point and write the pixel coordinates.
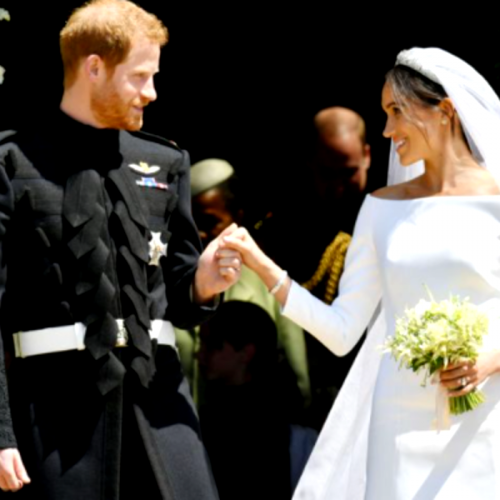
(444, 121)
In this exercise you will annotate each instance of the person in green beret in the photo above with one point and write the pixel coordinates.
(216, 205)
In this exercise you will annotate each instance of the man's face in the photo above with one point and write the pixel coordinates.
(211, 214)
(341, 165)
(118, 101)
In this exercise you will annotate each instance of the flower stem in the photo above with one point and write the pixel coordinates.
(468, 402)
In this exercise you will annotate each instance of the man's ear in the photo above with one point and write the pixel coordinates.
(93, 68)
(367, 156)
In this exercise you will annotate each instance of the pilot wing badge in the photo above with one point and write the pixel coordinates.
(144, 168)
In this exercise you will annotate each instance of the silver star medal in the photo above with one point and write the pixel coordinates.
(157, 249)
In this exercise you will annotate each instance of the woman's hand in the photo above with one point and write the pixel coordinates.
(13, 475)
(241, 241)
(254, 258)
(462, 378)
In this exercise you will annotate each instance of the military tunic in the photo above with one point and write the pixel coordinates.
(85, 214)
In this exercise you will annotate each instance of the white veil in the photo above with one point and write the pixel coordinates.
(337, 466)
(476, 103)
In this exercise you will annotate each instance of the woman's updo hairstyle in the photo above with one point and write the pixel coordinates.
(410, 85)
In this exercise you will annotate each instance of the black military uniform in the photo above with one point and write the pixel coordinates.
(85, 214)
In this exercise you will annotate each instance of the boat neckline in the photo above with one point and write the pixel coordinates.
(451, 197)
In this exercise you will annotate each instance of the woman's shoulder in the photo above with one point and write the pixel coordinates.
(404, 191)
(387, 193)
(414, 190)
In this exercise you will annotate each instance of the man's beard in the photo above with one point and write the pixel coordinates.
(111, 111)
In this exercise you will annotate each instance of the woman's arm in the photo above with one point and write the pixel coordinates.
(253, 257)
(339, 325)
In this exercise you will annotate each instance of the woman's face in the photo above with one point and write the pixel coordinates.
(413, 128)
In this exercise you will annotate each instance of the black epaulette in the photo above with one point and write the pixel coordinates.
(155, 138)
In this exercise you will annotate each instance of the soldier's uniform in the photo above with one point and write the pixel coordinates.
(98, 253)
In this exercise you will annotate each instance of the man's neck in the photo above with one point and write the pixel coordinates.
(77, 107)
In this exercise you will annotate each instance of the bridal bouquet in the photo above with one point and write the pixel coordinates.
(432, 335)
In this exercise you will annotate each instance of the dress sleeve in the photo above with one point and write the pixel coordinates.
(340, 325)
(292, 338)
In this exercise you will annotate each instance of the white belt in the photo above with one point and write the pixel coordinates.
(71, 337)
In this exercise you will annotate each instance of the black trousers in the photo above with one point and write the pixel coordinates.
(137, 480)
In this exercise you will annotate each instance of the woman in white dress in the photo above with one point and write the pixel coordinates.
(439, 228)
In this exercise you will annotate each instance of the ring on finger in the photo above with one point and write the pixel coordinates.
(464, 381)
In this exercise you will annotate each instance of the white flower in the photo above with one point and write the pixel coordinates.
(4, 15)
(422, 307)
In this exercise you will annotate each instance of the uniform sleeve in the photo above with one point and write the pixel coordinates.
(184, 252)
(292, 338)
(340, 325)
(7, 438)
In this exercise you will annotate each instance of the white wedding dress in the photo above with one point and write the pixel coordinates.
(379, 442)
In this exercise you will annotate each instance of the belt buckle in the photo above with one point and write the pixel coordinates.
(18, 348)
(121, 334)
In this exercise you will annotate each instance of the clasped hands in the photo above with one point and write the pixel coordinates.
(220, 264)
(218, 268)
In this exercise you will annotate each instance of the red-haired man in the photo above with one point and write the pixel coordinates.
(99, 255)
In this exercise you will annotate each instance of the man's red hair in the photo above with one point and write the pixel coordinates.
(106, 28)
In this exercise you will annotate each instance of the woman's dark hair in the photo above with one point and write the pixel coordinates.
(410, 85)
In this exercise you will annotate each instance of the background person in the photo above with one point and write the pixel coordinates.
(317, 221)
(217, 203)
(246, 418)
